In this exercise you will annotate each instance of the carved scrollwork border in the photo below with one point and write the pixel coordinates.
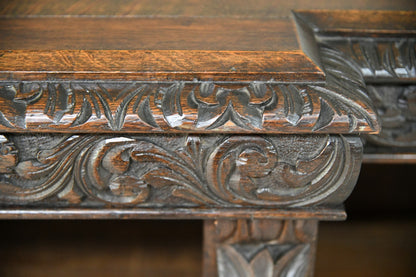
(114, 106)
(178, 171)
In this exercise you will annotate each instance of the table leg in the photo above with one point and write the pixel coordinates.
(259, 247)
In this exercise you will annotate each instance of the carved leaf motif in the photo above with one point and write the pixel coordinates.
(171, 104)
(384, 58)
(283, 251)
(266, 260)
(294, 103)
(8, 155)
(13, 113)
(325, 116)
(105, 105)
(145, 113)
(195, 106)
(122, 108)
(45, 176)
(61, 100)
(233, 105)
(84, 114)
(396, 107)
(189, 171)
(345, 92)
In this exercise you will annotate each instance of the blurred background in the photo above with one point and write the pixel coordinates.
(377, 239)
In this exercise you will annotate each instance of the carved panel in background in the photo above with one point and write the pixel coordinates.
(199, 106)
(396, 107)
(177, 171)
(345, 81)
(249, 248)
(378, 58)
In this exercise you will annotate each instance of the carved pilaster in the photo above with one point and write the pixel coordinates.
(259, 247)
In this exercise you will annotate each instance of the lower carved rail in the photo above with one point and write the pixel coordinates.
(283, 171)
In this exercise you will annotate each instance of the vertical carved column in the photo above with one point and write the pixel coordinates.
(259, 247)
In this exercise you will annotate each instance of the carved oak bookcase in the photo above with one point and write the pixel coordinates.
(254, 133)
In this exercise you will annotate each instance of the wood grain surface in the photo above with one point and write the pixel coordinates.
(209, 8)
(49, 50)
(119, 33)
(158, 65)
(356, 22)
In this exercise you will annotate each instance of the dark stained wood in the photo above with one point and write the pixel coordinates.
(203, 107)
(286, 93)
(186, 172)
(396, 107)
(197, 76)
(332, 214)
(158, 65)
(264, 247)
(78, 33)
(211, 8)
(382, 46)
(359, 22)
(393, 158)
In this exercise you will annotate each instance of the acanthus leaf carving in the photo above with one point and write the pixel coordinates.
(232, 105)
(13, 112)
(396, 107)
(188, 106)
(230, 171)
(345, 92)
(264, 247)
(379, 58)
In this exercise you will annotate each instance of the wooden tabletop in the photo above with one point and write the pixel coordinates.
(76, 66)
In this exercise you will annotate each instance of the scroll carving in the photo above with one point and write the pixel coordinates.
(185, 106)
(396, 106)
(178, 171)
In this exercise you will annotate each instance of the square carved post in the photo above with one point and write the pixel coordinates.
(259, 247)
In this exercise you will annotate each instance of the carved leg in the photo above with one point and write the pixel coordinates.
(259, 247)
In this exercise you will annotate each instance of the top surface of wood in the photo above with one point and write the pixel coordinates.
(364, 23)
(157, 33)
(195, 48)
(156, 49)
(195, 8)
(150, 66)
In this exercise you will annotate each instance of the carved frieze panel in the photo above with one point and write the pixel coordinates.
(111, 106)
(177, 171)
